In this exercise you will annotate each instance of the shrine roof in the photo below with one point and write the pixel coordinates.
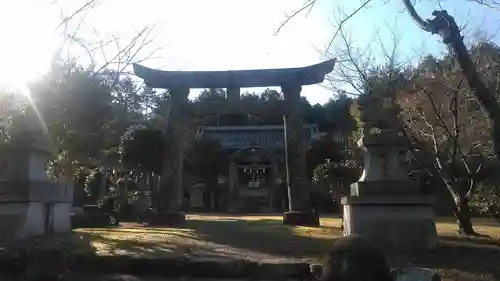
(244, 128)
(266, 136)
(307, 75)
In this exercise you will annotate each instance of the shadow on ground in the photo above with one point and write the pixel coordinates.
(74, 243)
(231, 239)
(46, 255)
(460, 258)
(264, 236)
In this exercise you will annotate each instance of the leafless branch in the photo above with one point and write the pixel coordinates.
(493, 4)
(307, 5)
(127, 54)
(414, 15)
(89, 5)
(344, 20)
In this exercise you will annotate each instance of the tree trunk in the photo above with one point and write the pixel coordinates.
(461, 209)
(103, 185)
(463, 215)
(485, 97)
(458, 202)
(337, 194)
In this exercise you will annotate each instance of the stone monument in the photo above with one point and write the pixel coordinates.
(30, 203)
(384, 206)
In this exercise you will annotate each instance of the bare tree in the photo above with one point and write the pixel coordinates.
(356, 65)
(445, 127)
(109, 54)
(444, 25)
(439, 113)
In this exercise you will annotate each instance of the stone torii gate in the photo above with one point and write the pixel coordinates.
(290, 80)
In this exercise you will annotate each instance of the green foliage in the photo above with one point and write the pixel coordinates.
(322, 149)
(93, 184)
(212, 95)
(270, 95)
(346, 169)
(250, 97)
(144, 150)
(11, 105)
(486, 200)
(76, 106)
(207, 159)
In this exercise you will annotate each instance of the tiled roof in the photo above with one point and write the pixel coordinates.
(237, 137)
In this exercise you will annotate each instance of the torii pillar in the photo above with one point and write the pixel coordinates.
(173, 162)
(300, 212)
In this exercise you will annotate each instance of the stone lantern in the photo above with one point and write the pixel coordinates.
(30, 203)
(384, 206)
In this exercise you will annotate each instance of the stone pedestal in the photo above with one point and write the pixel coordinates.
(384, 206)
(31, 204)
(402, 223)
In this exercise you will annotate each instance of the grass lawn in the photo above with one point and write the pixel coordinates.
(264, 238)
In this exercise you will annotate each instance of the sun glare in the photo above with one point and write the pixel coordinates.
(27, 44)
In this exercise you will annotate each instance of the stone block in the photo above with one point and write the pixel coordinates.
(400, 223)
(297, 218)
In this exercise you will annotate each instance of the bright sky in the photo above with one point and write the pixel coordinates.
(219, 34)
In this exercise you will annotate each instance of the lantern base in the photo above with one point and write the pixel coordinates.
(166, 219)
(399, 223)
(298, 218)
